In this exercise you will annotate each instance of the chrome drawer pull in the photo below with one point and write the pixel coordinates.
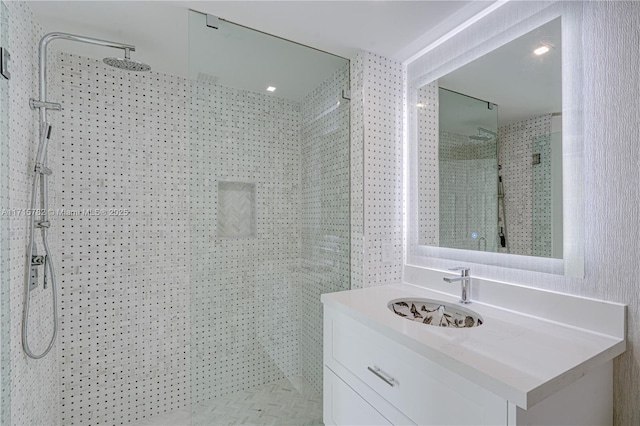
(388, 379)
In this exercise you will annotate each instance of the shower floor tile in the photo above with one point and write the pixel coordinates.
(285, 402)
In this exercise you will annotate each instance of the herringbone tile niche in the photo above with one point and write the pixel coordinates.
(236, 209)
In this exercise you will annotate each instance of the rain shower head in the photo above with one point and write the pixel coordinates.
(126, 63)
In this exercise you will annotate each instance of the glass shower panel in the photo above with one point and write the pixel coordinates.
(5, 324)
(269, 213)
(468, 169)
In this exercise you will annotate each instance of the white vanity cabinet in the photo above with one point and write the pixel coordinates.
(370, 379)
(403, 388)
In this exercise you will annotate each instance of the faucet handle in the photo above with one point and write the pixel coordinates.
(464, 270)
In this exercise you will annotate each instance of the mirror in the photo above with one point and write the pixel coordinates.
(489, 151)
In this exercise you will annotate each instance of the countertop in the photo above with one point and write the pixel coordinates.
(521, 358)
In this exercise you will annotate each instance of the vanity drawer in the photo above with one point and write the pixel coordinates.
(419, 388)
(342, 405)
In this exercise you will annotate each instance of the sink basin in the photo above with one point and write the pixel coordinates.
(436, 313)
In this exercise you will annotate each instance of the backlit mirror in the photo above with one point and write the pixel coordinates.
(489, 151)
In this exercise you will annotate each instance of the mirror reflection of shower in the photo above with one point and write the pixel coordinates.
(468, 161)
(476, 117)
(500, 185)
(502, 214)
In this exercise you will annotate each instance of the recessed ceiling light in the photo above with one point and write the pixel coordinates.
(271, 89)
(541, 50)
(420, 105)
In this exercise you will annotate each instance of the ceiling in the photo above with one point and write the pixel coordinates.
(159, 29)
(235, 56)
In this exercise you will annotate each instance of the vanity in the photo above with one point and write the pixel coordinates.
(494, 180)
(509, 368)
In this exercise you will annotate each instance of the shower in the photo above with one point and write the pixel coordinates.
(35, 261)
(503, 240)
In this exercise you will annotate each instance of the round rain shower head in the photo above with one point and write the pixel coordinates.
(126, 64)
(479, 138)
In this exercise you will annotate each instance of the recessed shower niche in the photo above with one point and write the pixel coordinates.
(236, 209)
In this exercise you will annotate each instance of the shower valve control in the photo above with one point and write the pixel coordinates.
(36, 261)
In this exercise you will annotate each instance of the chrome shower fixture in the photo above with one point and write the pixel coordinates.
(479, 138)
(35, 261)
(127, 63)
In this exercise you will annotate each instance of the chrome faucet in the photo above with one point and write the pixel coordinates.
(465, 283)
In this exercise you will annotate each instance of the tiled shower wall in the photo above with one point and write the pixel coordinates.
(467, 167)
(35, 391)
(515, 149)
(5, 252)
(376, 152)
(124, 277)
(324, 259)
(244, 315)
(123, 272)
(428, 165)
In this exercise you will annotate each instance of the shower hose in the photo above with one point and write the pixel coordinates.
(39, 179)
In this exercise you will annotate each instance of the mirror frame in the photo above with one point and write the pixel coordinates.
(472, 40)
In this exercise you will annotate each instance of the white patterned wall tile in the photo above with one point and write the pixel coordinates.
(236, 209)
(5, 247)
(324, 218)
(34, 383)
(428, 172)
(124, 287)
(515, 149)
(382, 89)
(542, 195)
(357, 170)
(468, 167)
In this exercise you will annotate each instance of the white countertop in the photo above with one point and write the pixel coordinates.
(521, 358)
